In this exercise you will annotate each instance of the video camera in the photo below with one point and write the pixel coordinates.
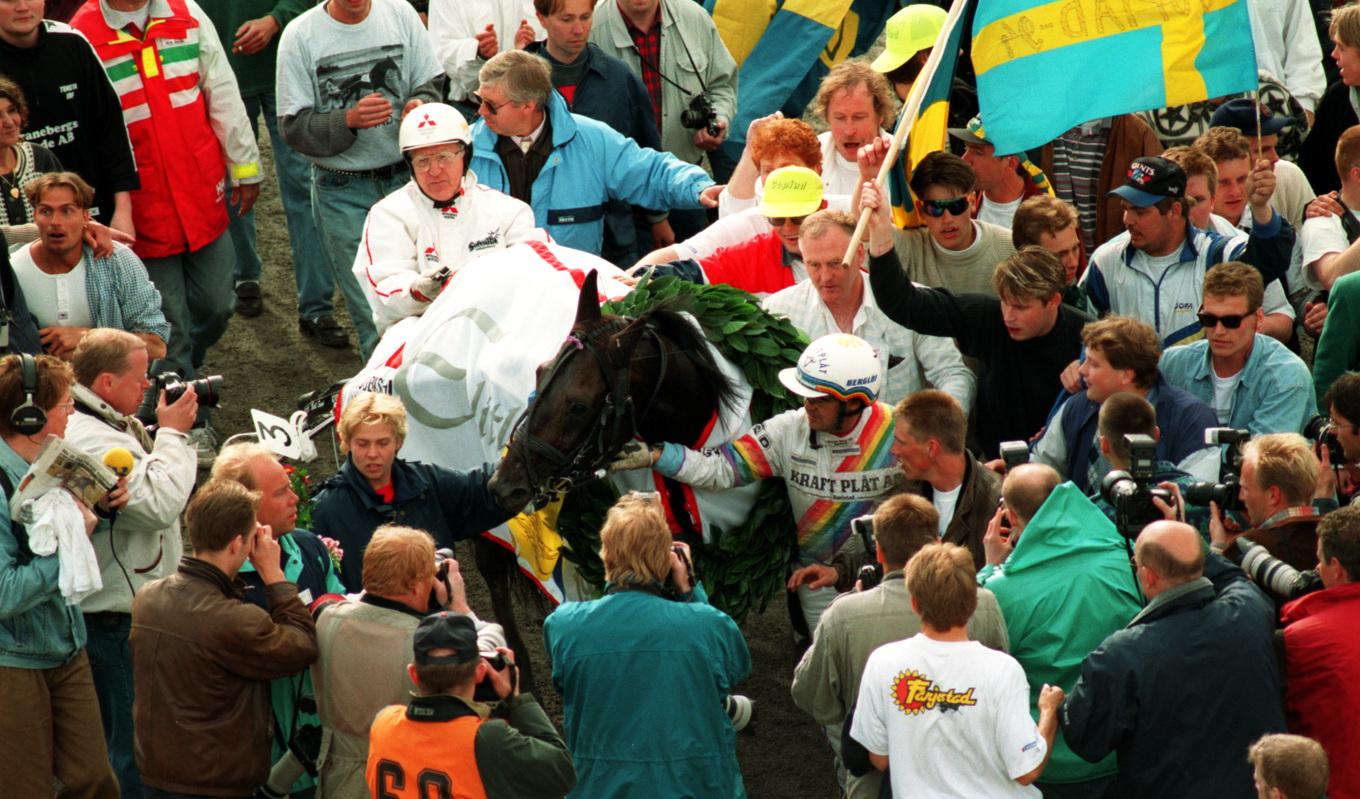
(1130, 492)
(208, 389)
(1319, 431)
(1225, 491)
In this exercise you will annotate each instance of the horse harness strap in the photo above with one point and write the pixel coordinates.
(617, 420)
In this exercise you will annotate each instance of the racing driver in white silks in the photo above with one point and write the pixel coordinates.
(834, 454)
(416, 237)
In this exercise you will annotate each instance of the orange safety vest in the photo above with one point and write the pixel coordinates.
(181, 205)
(423, 759)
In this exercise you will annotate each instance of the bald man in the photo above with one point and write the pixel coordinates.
(1193, 673)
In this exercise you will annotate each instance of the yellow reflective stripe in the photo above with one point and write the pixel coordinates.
(150, 63)
(243, 171)
(1061, 23)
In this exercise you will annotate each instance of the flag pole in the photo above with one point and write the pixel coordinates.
(1256, 101)
(908, 115)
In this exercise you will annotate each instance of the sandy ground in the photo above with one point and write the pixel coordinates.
(267, 365)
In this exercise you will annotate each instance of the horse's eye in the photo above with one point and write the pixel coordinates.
(577, 409)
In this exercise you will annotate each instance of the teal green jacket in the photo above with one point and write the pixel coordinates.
(1065, 587)
(1338, 348)
(38, 630)
(643, 679)
(255, 72)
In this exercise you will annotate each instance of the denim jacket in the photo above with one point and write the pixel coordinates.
(1275, 392)
(38, 630)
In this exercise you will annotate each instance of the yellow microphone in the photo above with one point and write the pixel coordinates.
(119, 460)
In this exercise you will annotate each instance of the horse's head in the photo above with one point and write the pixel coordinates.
(581, 414)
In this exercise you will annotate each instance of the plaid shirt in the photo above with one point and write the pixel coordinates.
(648, 44)
(121, 294)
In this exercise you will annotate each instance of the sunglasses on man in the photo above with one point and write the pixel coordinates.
(936, 208)
(494, 108)
(778, 221)
(1209, 321)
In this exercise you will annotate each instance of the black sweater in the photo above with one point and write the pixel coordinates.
(1018, 380)
(1317, 158)
(73, 110)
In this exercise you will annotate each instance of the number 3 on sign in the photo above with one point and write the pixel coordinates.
(279, 435)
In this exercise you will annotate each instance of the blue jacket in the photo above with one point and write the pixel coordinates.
(38, 630)
(1196, 665)
(591, 164)
(1274, 395)
(448, 504)
(1181, 417)
(643, 680)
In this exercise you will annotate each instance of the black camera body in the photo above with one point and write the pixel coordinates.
(1225, 491)
(1014, 453)
(442, 556)
(208, 389)
(1319, 431)
(700, 114)
(1130, 493)
(485, 691)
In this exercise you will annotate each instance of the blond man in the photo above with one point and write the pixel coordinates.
(375, 487)
(646, 669)
(924, 699)
(364, 643)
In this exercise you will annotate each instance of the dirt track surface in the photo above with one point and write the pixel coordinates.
(268, 364)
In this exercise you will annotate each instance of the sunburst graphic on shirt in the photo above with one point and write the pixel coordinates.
(915, 693)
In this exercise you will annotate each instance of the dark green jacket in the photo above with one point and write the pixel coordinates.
(254, 73)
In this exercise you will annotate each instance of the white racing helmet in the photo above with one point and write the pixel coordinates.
(434, 123)
(839, 365)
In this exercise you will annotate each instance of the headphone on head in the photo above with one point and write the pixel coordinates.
(28, 419)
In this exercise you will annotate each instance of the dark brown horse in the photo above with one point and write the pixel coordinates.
(613, 379)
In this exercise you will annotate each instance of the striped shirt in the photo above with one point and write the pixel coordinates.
(1077, 156)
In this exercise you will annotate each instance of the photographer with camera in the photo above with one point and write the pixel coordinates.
(307, 562)
(363, 641)
(826, 680)
(1128, 436)
(203, 655)
(1278, 483)
(1193, 673)
(141, 542)
(1063, 587)
(443, 738)
(1341, 403)
(646, 669)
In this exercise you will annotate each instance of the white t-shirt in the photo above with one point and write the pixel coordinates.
(952, 717)
(945, 502)
(55, 300)
(1223, 395)
(839, 176)
(1322, 235)
(1000, 214)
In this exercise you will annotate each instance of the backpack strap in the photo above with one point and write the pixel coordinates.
(19, 531)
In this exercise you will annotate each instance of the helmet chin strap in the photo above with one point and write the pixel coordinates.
(842, 413)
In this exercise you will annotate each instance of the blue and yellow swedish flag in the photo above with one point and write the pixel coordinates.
(784, 49)
(1044, 66)
(930, 129)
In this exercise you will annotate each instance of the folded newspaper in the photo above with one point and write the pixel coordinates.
(60, 465)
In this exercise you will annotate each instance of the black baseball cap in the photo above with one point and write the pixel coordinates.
(1151, 180)
(1241, 114)
(445, 631)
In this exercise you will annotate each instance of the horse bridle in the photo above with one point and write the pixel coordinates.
(614, 426)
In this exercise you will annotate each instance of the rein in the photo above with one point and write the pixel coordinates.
(614, 425)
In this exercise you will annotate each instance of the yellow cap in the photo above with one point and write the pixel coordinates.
(909, 31)
(791, 191)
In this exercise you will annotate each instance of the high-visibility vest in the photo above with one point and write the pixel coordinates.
(418, 759)
(181, 205)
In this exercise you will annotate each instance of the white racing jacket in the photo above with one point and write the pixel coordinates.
(406, 235)
(830, 479)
